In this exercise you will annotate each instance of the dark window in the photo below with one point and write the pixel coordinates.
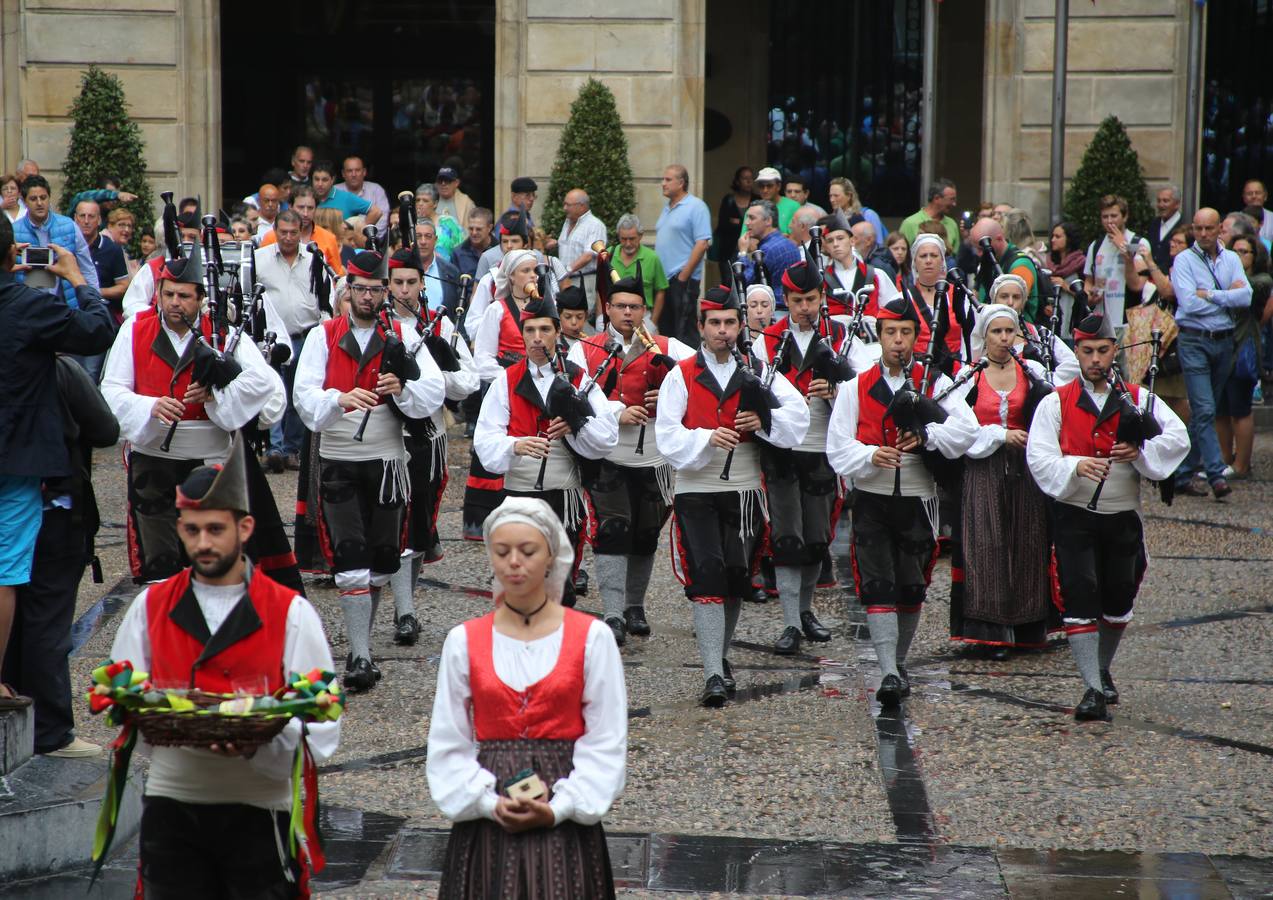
(845, 86)
(406, 84)
(1237, 123)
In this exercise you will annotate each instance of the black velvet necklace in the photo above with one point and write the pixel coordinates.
(526, 616)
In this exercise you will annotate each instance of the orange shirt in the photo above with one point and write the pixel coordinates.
(326, 241)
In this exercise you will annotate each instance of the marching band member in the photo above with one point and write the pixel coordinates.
(719, 513)
(804, 492)
(160, 374)
(632, 489)
(1004, 598)
(848, 273)
(520, 424)
(1080, 453)
(425, 440)
(352, 373)
(497, 344)
(950, 316)
(1033, 341)
(572, 306)
(878, 441)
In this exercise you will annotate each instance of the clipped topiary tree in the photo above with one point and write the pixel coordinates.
(1110, 166)
(592, 155)
(106, 143)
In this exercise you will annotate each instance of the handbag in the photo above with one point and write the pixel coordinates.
(1246, 361)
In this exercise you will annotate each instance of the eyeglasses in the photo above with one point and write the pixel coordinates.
(628, 306)
(367, 290)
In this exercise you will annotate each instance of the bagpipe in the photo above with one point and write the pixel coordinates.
(566, 402)
(912, 412)
(756, 394)
(394, 358)
(1135, 425)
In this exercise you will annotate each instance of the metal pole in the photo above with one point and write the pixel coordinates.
(1193, 112)
(1060, 42)
(928, 125)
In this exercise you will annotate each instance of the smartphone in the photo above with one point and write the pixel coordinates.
(38, 257)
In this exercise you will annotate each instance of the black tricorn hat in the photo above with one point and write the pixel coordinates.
(540, 308)
(185, 270)
(221, 486)
(1094, 326)
(368, 264)
(573, 297)
(719, 298)
(633, 284)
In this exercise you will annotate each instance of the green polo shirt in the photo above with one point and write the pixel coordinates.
(653, 278)
(910, 228)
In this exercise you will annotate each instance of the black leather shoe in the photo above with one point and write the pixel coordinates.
(634, 619)
(1108, 689)
(619, 629)
(274, 461)
(581, 582)
(813, 629)
(905, 678)
(998, 654)
(1092, 708)
(789, 643)
(714, 693)
(472, 532)
(757, 594)
(889, 693)
(406, 631)
(359, 676)
(731, 686)
(375, 669)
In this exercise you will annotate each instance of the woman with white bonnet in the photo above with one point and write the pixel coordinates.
(1033, 342)
(760, 307)
(1001, 543)
(528, 740)
(928, 267)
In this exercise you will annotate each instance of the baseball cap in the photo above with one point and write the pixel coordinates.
(446, 173)
(768, 174)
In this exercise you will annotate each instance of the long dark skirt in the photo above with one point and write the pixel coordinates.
(1004, 541)
(567, 862)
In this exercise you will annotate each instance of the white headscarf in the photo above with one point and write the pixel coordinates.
(760, 288)
(922, 239)
(1007, 278)
(540, 516)
(985, 316)
(512, 259)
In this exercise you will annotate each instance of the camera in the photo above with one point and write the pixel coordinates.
(36, 257)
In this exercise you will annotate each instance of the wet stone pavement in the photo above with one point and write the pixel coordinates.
(982, 786)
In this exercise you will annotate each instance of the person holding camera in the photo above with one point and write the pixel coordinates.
(41, 228)
(34, 327)
(1112, 272)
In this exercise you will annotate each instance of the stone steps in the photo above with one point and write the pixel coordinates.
(49, 806)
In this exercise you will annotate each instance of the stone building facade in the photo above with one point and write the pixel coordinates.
(668, 63)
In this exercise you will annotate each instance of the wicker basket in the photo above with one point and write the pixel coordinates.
(204, 726)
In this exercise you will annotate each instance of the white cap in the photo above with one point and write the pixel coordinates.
(769, 173)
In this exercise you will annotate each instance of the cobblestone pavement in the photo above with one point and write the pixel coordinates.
(985, 786)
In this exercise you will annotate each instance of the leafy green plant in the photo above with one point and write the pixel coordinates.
(105, 142)
(1110, 166)
(592, 155)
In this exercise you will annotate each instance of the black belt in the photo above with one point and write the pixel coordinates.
(1213, 335)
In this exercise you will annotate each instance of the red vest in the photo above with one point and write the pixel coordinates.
(152, 376)
(873, 426)
(772, 336)
(986, 409)
(703, 409)
(1081, 432)
(254, 661)
(954, 335)
(635, 378)
(343, 371)
(525, 417)
(551, 709)
(844, 306)
(510, 333)
(156, 266)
